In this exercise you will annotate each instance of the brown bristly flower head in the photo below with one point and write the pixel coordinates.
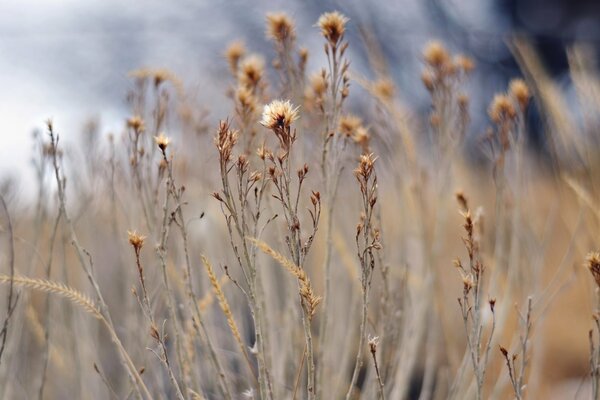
(362, 138)
(251, 71)
(234, 53)
(464, 63)
(435, 54)
(225, 139)
(462, 201)
(384, 89)
(136, 240)
(365, 167)
(303, 57)
(279, 114)
(280, 27)
(429, 80)
(162, 141)
(264, 153)
(246, 99)
(463, 102)
(373, 342)
(316, 90)
(349, 124)
(136, 123)
(501, 109)
(519, 90)
(318, 83)
(592, 262)
(333, 26)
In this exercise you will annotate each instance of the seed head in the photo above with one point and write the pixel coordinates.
(246, 99)
(280, 27)
(333, 26)
(384, 89)
(435, 54)
(501, 109)
(373, 342)
(225, 139)
(234, 53)
(251, 71)
(592, 261)
(464, 63)
(279, 114)
(349, 124)
(136, 240)
(162, 141)
(136, 123)
(428, 80)
(365, 166)
(362, 138)
(519, 90)
(319, 84)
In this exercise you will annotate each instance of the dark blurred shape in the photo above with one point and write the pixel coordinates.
(553, 25)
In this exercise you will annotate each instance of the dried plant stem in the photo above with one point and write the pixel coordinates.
(46, 354)
(471, 301)
(300, 368)
(179, 220)
(234, 209)
(162, 254)
(369, 236)
(87, 268)
(516, 373)
(157, 335)
(308, 301)
(373, 343)
(11, 304)
(224, 304)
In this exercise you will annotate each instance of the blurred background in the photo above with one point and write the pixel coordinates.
(70, 60)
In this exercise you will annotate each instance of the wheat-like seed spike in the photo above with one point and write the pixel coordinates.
(57, 288)
(223, 303)
(306, 290)
(208, 297)
(280, 258)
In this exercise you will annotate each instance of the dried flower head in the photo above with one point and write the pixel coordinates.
(464, 63)
(501, 109)
(319, 84)
(349, 124)
(435, 54)
(246, 99)
(280, 27)
(264, 153)
(136, 240)
(251, 71)
(279, 114)
(362, 138)
(384, 89)
(365, 166)
(519, 90)
(592, 262)
(333, 26)
(162, 141)
(428, 79)
(136, 123)
(225, 139)
(373, 342)
(234, 53)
